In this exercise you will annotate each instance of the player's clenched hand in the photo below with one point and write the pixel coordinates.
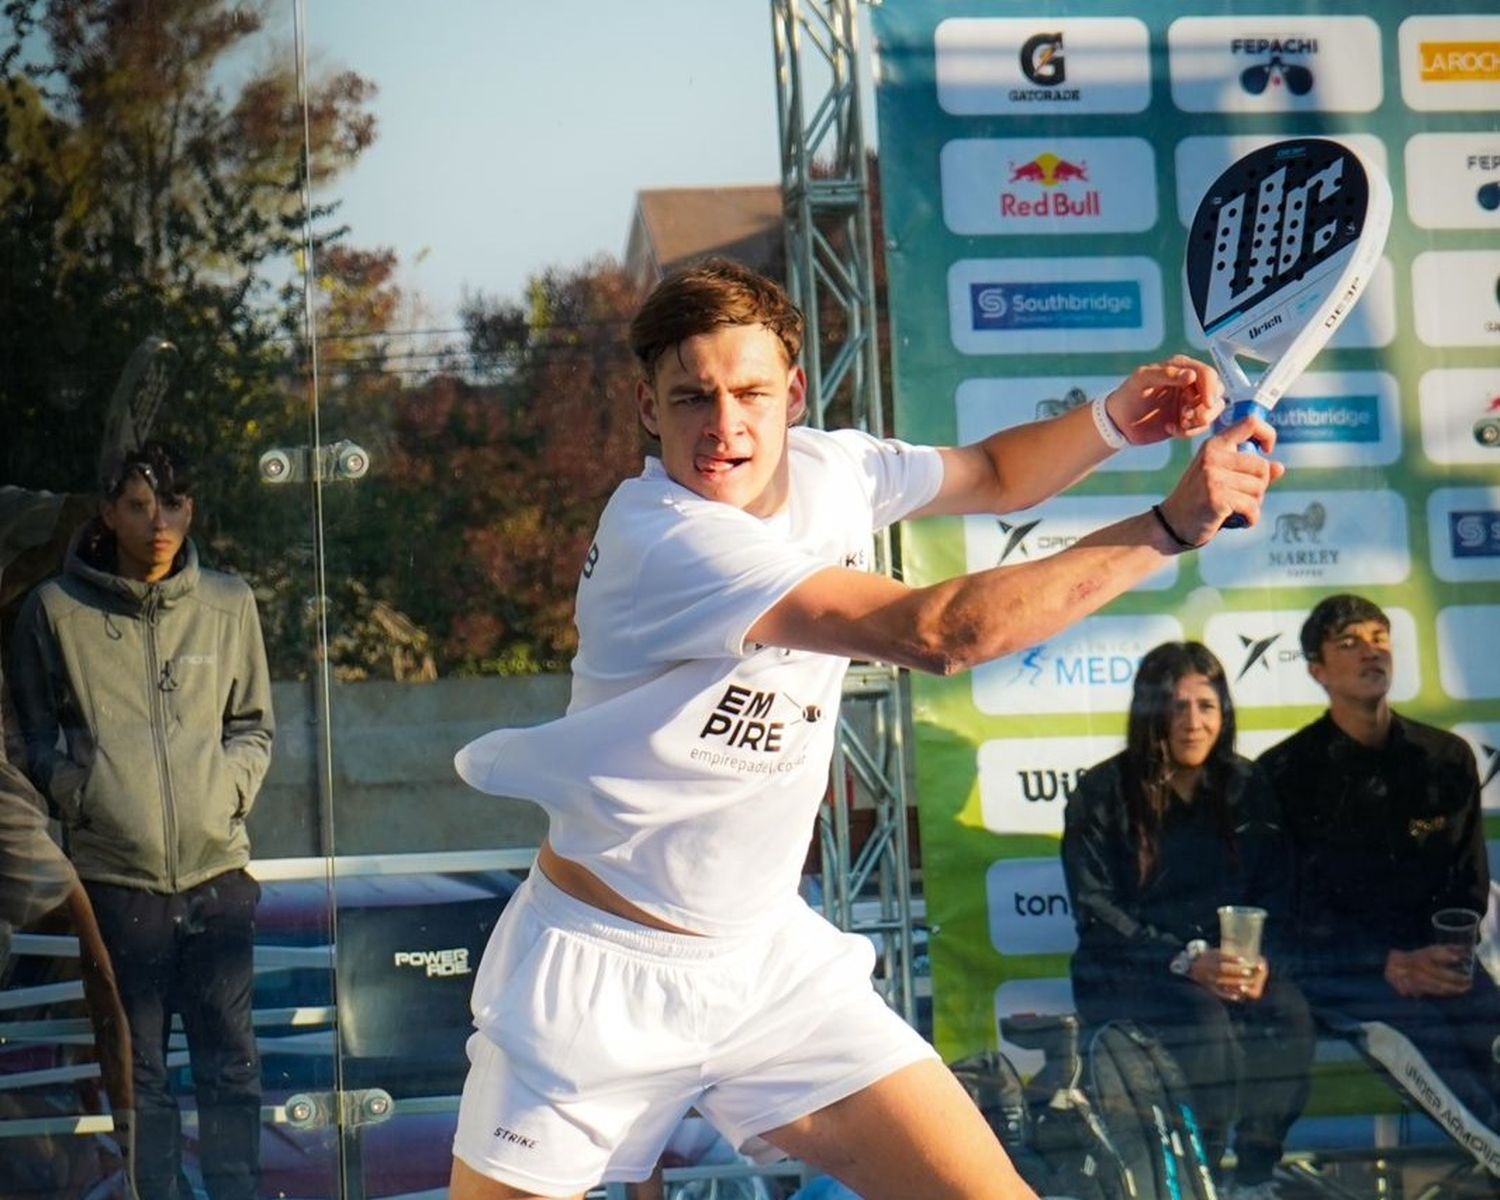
(1221, 480)
(1427, 971)
(1177, 398)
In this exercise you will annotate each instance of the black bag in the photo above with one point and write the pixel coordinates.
(1142, 1098)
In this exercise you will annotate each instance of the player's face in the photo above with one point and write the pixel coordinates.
(1197, 721)
(720, 405)
(149, 529)
(1356, 663)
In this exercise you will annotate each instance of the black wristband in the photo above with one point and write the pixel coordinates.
(1182, 543)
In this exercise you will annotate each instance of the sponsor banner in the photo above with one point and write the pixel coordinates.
(1025, 66)
(1463, 528)
(1029, 908)
(1484, 739)
(1051, 305)
(986, 405)
(1048, 185)
(1453, 180)
(1089, 668)
(1325, 539)
(1262, 655)
(1024, 783)
(1461, 415)
(1044, 530)
(1456, 297)
(1254, 64)
(1371, 324)
(1339, 419)
(1468, 667)
(1200, 160)
(1450, 63)
(1252, 743)
(1042, 996)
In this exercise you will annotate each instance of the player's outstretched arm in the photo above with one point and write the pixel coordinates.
(961, 622)
(1024, 465)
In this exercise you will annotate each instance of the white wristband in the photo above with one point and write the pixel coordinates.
(1108, 430)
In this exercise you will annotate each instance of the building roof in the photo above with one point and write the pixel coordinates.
(672, 226)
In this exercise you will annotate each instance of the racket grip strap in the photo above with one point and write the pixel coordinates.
(1161, 518)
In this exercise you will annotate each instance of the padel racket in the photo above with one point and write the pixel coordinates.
(1281, 247)
(135, 402)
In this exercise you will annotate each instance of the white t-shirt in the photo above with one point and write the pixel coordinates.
(688, 770)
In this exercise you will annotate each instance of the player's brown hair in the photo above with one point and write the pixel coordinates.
(705, 296)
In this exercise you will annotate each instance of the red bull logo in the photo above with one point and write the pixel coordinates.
(1050, 172)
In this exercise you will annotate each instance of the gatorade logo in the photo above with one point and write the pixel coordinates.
(1460, 62)
(1042, 59)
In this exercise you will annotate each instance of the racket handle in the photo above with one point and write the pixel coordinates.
(1237, 411)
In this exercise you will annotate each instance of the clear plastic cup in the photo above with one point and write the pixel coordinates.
(1240, 929)
(1459, 928)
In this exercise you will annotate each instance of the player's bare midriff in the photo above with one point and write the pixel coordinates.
(582, 884)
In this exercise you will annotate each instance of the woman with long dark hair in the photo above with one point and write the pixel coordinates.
(1156, 839)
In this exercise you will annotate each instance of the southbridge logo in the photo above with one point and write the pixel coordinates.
(1303, 419)
(1474, 533)
(1086, 304)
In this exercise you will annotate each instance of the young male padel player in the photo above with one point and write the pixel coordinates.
(659, 957)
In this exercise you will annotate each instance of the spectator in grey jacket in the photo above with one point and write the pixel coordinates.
(144, 699)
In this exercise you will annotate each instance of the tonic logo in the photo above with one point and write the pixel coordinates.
(1459, 62)
(1303, 419)
(1040, 786)
(1288, 218)
(1304, 526)
(436, 963)
(1049, 171)
(1255, 652)
(1041, 904)
(1015, 538)
(1087, 304)
(1042, 59)
(1474, 534)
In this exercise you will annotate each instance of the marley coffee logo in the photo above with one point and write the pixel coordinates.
(1459, 62)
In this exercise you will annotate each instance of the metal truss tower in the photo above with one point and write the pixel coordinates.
(831, 274)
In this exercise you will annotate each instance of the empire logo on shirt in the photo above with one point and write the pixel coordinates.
(741, 719)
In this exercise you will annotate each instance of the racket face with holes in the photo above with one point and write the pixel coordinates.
(1281, 247)
(136, 400)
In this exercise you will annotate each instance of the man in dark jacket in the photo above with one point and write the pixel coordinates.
(1384, 816)
(144, 698)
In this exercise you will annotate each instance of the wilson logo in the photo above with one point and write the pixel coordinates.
(1282, 228)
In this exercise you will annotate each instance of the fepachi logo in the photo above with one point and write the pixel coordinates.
(1276, 73)
(1304, 526)
(1488, 196)
(1087, 304)
(1475, 533)
(1042, 59)
(1255, 652)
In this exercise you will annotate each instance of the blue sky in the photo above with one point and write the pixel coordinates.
(514, 134)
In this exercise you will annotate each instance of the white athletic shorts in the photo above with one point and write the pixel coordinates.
(602, 1033)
